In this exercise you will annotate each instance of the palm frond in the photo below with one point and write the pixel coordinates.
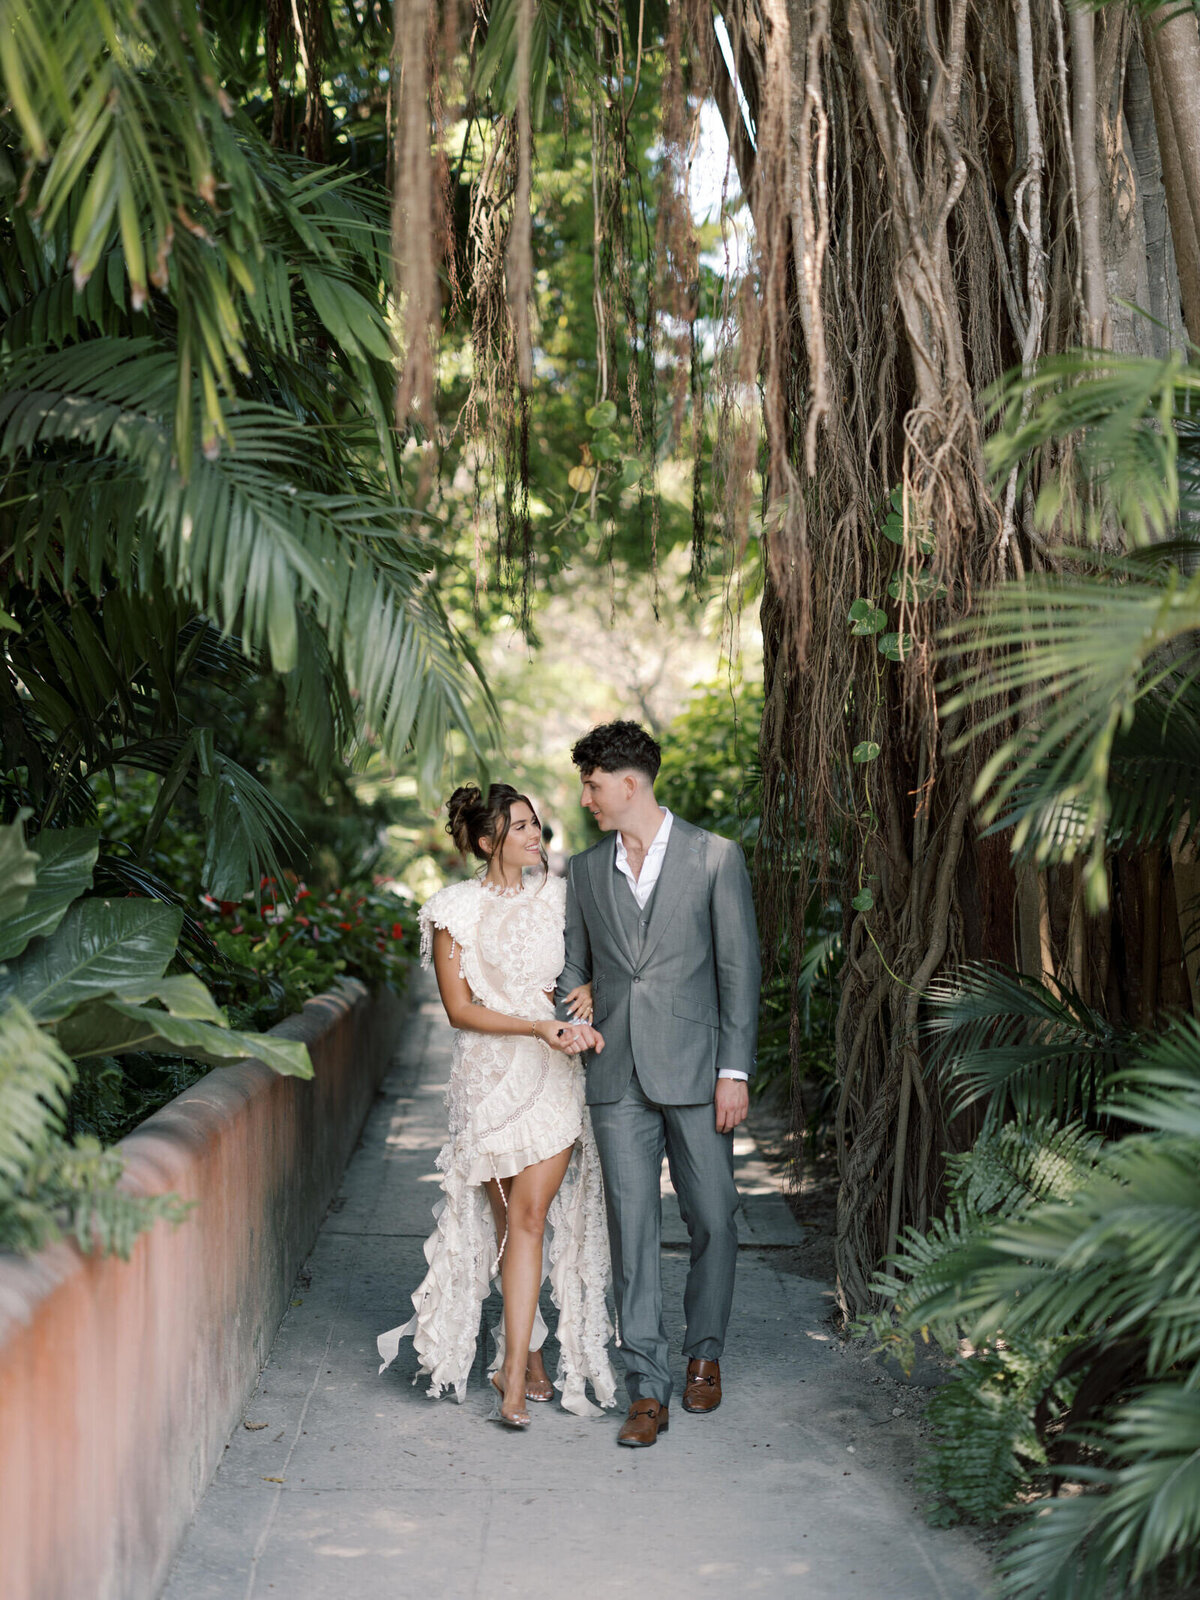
(244, 540)
(1003, 1037)
(1143, 1527)
(1119, 411)
(1069, 664)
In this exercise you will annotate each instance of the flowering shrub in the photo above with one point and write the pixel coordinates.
(296, 948)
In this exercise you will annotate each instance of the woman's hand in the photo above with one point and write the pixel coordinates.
(579, 1003)
(571, 1038)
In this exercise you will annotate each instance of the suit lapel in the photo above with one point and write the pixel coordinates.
(601, 870)
(683, 848)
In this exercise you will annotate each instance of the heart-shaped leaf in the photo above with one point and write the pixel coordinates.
(917, 586)
(865, 751)
(602, 415)
(895, 646)
(865, 617)
(864, 900)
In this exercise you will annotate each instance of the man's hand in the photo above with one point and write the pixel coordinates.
(732, 1101)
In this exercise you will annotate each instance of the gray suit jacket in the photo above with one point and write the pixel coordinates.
(686, 1003)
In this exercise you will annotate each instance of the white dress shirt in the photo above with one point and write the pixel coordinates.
(643, 886)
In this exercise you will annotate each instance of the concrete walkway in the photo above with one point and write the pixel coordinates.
(343, 1485)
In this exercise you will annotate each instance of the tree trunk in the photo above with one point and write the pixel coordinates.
(1087, 169)
(1173, 57)
(962, 198)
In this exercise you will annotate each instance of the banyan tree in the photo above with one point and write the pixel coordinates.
(942, 193)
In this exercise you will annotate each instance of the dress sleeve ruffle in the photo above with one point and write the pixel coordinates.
(455, 908)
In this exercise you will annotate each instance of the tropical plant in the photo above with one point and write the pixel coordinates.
(85, 978)
(167, 281)
(304, 943)
(1074, 1234)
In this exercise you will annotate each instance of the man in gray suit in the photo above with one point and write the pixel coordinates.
(660, 922)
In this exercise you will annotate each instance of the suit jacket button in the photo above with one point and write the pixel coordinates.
(637, 980)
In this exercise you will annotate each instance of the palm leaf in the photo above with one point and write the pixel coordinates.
(1070, 663)
(1006, 1038)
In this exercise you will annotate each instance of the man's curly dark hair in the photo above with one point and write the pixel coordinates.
(618, 747)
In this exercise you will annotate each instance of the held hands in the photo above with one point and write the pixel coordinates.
(732, 1102)
(571, 1038)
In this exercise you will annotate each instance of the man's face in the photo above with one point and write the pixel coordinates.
(607, 795)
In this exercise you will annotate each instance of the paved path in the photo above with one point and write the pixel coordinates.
(359, 1488)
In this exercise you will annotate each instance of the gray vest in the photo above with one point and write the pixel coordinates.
(633, 917)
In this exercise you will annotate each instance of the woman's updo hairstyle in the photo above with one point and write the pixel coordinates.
(473, 819)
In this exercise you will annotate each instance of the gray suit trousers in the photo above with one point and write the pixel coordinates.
(632, 1134)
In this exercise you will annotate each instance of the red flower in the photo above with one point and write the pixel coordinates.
(228, 907)
(397, 931)
(347, 927)
(305, 922)
(239, 929)
(303, 894)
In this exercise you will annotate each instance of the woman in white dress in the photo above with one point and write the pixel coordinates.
(522, 1192)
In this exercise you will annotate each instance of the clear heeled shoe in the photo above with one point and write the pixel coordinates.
(518, 1419)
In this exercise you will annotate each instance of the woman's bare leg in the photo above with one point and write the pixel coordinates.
(529, 1196)
(537, 1379)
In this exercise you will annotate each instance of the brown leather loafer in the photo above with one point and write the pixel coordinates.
(646, 1420)
(702, 1392)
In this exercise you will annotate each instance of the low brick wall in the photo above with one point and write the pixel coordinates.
(120, 1381)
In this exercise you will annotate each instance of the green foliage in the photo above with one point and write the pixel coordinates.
(1019, 1048)
(46, 1182)
(1070, 1260)
(166, 277)
(1082, 1255)
(1090, 679)
(986, 1440)
(709, 769)
(300, 947)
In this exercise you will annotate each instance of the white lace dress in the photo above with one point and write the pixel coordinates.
(512, 1102)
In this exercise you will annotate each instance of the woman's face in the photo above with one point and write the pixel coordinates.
(522, 845)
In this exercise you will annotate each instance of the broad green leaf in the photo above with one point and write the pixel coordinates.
(895, 646)
(601, 416)
(864, 900)
(893, 527)
(865, 750)
(110, 1027)
(65, 858)
(183, 996)
(606, 447)
(352, 320)
(865, 617)
(917, 586)
(99, 947)
(18, 872)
